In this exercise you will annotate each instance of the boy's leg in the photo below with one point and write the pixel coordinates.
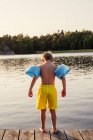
(53, 118)
(43, 120)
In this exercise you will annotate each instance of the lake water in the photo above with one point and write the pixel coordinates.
(17, 110)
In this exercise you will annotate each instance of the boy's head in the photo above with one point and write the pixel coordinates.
(47, 56)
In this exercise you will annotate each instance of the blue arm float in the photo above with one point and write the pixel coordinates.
(33, 71)
(61, 70)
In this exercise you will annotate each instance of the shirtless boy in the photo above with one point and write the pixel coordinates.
(47, 93)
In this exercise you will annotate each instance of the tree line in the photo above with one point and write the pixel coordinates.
(58, 41)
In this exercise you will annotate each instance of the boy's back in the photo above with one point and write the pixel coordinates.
(47, 73)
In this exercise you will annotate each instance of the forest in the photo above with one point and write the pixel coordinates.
(24, 44)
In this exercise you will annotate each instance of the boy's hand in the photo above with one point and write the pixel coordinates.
(63, 93)
(30, 94)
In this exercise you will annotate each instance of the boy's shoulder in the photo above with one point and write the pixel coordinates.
(54, 66)
(40, 65)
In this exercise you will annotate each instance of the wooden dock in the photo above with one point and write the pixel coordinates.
(73, 134)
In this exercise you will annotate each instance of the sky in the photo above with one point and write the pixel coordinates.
(41, 17)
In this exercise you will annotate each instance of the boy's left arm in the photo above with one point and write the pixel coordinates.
(30, 93)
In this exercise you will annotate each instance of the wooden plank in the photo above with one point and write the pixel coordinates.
(41, 136)
(11, 135)
(26, 135)
(73, 134)
(87, 134)
(1, 133)
(60, 136)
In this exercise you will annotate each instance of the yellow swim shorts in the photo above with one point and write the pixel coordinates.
(46, 95)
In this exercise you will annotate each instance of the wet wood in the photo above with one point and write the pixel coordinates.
(59, 136)
(87, 134)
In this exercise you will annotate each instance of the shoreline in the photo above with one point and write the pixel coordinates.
(54, 52)
(68, 51)
(29, 56)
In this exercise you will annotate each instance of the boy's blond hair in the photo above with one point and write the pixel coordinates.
(47, 56)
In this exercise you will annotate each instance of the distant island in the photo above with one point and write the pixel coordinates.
(57, 42)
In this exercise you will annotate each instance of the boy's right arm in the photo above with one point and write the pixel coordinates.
(63, 93)
(31, 86)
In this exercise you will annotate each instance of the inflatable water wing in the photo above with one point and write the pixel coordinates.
(33, 71)
(61, 70)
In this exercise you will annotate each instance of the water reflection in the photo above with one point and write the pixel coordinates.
(75, 111)
(76, 62)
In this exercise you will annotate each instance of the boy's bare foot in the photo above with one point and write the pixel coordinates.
(56, 132)
(41, 130)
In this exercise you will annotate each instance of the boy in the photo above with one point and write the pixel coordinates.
(47, 91)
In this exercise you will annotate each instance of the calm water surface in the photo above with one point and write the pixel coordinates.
(17, 110)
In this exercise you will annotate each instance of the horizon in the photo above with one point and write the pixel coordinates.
(42, 17)
(46, 33)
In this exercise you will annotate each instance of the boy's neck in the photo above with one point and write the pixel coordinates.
(47, 61)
